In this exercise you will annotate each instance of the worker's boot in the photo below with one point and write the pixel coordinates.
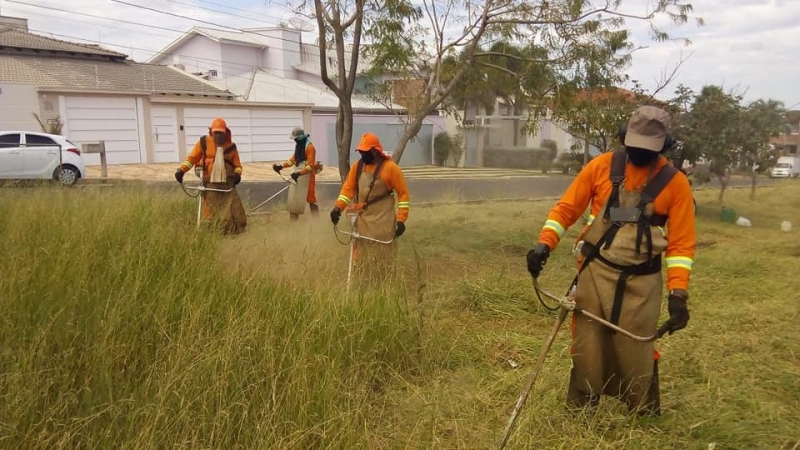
(652, 403)
(314, 209)
(577, 399)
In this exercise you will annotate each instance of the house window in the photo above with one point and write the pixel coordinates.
(212, 73)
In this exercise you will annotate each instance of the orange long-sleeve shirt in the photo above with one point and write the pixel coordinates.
(196, 156)
(593, 185)
(311, 159)
(391, 174)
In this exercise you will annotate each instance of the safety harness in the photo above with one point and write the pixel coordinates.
(378, 167)
(224, 152)
(620, 216)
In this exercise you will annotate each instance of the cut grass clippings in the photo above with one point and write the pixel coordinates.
(126, 327)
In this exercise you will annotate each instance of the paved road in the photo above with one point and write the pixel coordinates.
(434, 190)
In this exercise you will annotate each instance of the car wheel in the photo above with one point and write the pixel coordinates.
(68, 175)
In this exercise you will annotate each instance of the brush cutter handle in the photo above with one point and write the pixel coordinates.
(203, 188)
(570, 305)
(356, 235)
(288, 180)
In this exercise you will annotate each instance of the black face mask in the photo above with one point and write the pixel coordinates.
(641, 157)
(368, 157)
(300, 150)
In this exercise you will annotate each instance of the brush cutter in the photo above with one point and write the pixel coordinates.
(200, 189)
(289, 182)
(353, 217)
(565, 305)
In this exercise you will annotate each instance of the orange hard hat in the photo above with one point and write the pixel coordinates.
(219, 124)
(368, 142)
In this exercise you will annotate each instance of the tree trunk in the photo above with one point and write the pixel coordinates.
(344, 137)
(723, 181)
(517, 112)
(753, 186)
(585, 152)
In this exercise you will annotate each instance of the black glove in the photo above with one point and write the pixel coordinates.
(295, 176)
(179, 175)
(537, 258)
(401, 228)
(335, 214)
(678, 312)
(237, 178)
(277, 168)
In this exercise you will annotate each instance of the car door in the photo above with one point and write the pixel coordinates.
(10, 155)
(41, 156)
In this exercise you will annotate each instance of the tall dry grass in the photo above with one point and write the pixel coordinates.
(122, 327)
(125, 327)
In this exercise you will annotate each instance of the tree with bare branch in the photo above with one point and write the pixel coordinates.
(563, 28)
(343, 26)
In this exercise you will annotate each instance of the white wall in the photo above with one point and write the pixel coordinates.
(198, 54)
(314, 80)
(18, 102)
(283, 51)
(387, 128)
(238, 60)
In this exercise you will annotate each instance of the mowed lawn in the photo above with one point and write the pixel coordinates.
(124, 327)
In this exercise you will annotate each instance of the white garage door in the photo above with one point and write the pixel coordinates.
(259, 134)
(165, 133)
(109, 119)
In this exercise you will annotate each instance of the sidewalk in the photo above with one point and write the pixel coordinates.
(260, 171)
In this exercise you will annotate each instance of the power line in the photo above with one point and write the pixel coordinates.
(181, 16)
(149, 51)
(227, 74)
(244, 32)
(96, 17)
(179, 2)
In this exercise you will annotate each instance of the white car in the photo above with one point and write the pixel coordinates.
(27, 155)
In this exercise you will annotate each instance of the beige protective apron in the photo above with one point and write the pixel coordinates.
(606, 362)
(374, 261)
(225, 209)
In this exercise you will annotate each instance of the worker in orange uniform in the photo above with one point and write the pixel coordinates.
(634, 194)
(224, 209)
(304, 161)
(367, 191)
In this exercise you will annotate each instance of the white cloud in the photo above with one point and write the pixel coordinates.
(749, 44)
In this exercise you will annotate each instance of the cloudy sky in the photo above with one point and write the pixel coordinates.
(751, 46)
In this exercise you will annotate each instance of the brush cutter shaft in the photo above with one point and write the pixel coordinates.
(267, 200)
(570, 305)
(532, 378)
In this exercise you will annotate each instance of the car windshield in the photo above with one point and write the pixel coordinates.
(782, 166)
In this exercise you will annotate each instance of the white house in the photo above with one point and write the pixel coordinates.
(273, 65)
(144, 112)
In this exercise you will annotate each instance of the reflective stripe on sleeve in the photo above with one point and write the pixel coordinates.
(555, 226)
(679, 261)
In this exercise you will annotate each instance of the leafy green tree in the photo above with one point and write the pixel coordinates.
(712, 127)
(760, 121)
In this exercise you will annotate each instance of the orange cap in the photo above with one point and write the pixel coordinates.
(368, 142)
(219, 125)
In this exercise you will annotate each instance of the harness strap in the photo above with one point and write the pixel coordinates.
(375, 174)
(625, 272)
